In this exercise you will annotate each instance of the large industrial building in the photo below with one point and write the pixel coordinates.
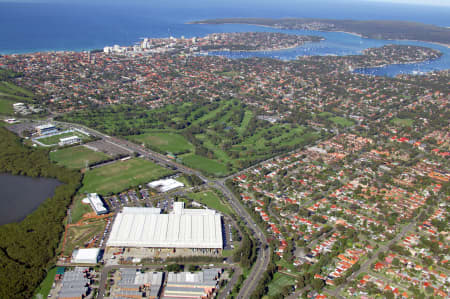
(183, 228)
(192, 285)
(134, 284)
(75, 284)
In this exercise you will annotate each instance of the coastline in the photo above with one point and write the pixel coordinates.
(439, 44)
(385, 65)
(347, 32)
(225, 23)
(421, 41)
(444, 47)
(268, 50)
(351, 33)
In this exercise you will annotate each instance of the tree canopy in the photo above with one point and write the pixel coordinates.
(28, 248)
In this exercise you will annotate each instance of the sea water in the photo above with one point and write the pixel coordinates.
(85, 25)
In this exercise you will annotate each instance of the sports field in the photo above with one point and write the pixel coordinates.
(165, 142)
(210, 199)
(77, 157)
(121, 175)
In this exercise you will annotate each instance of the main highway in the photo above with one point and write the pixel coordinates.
(263, 253)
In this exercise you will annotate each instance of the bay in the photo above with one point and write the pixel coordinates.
(21, 195)
(86, 25)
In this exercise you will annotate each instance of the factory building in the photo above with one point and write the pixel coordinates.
(75, 284)
(135, 284)
(183, 228)
(191, 285)
(96, 203)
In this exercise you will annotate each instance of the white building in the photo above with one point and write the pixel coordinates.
(46, 129)
(96, 204)
(10, 120)
(114, 49)
(69, 140)
(183, 228)
(17, 106)
(165, 185)
(86, 256)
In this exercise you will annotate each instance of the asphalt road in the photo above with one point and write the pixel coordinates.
(263, 259)
(104, 277)
(227, 289)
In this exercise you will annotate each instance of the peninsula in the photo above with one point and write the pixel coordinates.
(238, 41)
(254, 41)
(400, 30)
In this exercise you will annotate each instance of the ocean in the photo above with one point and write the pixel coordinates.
(86, 25)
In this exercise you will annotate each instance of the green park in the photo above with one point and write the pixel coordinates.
(217, 137)
(211, 200)
(77, 157)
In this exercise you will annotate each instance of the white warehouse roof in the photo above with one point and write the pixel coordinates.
(137, 210)
(70, 138)
(97, 204)
(45, 126)
(141, 228)
(165, 185)
(85, 256)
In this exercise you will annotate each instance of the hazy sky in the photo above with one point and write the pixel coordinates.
(421, 2)
(424, 2)
(445, 4)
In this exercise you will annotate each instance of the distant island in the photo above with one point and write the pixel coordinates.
(399, 30)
